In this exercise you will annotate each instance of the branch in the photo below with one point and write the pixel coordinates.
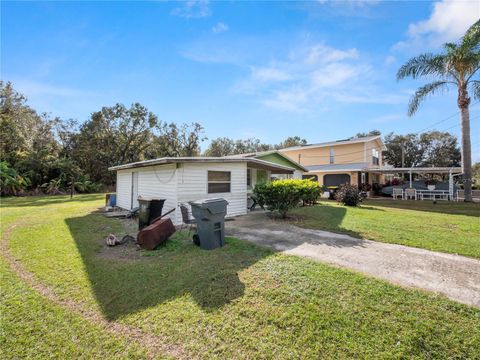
(423, 65)
(471, 39)
(475, 86)
(422, 93)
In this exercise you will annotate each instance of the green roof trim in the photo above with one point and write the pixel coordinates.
(279, 159)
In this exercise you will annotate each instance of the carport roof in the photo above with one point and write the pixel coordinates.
(417, 170)
(252, 162)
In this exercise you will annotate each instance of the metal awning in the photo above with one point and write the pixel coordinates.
(416, 170)
(451, 171)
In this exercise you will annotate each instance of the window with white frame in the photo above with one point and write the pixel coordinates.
(375, 157)
(332, 155)
(219, 182)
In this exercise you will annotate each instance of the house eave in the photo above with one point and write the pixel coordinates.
(255, 163)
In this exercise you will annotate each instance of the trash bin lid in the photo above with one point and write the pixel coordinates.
(206, 202)
(214, 206)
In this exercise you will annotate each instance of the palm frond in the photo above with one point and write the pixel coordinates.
(475, 87)
(422, 93)
(423, 65)
(471, 39)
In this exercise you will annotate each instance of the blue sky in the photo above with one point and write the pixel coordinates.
(321, 70)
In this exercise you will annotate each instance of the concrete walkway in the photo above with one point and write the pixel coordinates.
(455, 276)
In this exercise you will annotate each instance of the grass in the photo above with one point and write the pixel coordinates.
(33, 327)
(240, 301)
(445, 227)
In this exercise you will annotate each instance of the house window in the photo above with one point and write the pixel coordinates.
(332, 155)
(219, 182)
(375, 157)
(249, 177)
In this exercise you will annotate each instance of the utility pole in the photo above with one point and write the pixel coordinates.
(403, 155)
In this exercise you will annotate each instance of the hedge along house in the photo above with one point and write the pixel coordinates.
(275, 157)
(353, 161)
(184, 179)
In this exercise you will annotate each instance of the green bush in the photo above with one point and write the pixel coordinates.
(283, 195)
(12, 183)
(348, 195)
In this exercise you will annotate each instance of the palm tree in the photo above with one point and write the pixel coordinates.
(455, 66)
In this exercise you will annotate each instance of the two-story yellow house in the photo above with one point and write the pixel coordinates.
(338, 162)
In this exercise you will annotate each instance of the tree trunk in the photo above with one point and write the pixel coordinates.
(463, 104)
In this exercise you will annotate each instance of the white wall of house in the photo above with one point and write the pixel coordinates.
(183, 183)
(193, 185)
(159, 182)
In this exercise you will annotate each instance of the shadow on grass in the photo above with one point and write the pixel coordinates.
(45, 200)
(441, 206)
(128, 285)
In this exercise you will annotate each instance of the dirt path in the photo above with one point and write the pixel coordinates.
(155, 346)
(455, 276)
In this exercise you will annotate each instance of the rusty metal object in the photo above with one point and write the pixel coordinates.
(156, 233)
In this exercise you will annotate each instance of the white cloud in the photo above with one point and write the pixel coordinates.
(193, 9)
(301, 78)
(219, 28)
(448, 22)
(390, 59)
(321, 54)
(293, 100)
(269, 74)
(309, 76)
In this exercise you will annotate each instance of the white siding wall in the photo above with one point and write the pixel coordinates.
(124, 189)
(192, 185)
(160, 182)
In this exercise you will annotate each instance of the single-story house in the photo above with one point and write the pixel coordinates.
(184, 179)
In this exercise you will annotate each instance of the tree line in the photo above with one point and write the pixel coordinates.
(44, 154)
(40, 153)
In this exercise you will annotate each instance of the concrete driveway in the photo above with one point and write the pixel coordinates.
(455, 276)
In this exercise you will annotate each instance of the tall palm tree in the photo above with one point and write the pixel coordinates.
(455, 66)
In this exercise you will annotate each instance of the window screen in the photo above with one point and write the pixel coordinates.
(219, 181)
(375, 157)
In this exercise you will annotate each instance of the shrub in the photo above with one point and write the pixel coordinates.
(283, 195)
(348, 195)
(53, 187)
(310, 191)
(12, 183)
(365, 187)
(83, 184)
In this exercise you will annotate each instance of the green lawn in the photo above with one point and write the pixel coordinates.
(240, 301)
(445, 226)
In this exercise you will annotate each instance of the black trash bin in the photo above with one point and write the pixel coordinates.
(149, 209)
(210, 216)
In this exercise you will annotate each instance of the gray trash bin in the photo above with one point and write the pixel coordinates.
(210, 216)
